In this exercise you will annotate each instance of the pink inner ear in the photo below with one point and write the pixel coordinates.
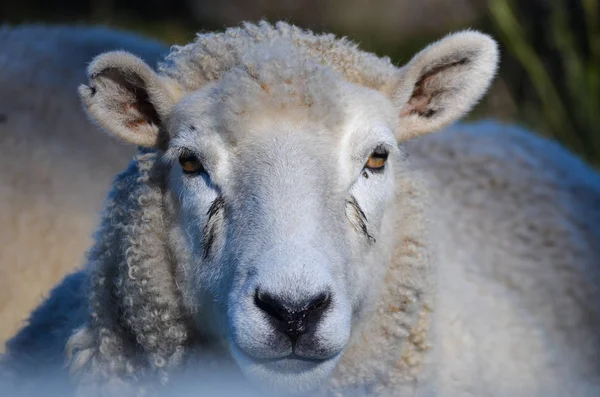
(416, 105)
(431, 84)
(134, 116)
(135, 124)
(422, 95)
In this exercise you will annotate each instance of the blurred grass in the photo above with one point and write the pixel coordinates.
(567, 86)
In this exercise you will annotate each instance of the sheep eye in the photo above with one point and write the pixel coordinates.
(190, 164)
(377, 159)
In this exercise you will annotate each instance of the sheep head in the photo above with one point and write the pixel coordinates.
(278, 155)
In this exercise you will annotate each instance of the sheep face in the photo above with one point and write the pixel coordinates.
(280, 188)
(280, 216)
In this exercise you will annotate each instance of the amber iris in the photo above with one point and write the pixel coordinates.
(377, 159)
(190, 164)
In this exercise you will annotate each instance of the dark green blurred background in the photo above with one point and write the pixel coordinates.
(549, 77)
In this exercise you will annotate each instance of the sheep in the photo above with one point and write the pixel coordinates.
(289, 218)
(55, 170)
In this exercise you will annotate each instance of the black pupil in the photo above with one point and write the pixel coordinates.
(380, 154)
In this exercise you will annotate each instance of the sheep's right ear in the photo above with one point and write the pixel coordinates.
(128, 99)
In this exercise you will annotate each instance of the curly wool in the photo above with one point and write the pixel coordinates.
(212, 55)
(133, 297)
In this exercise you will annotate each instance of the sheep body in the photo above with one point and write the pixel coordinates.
(518, 264)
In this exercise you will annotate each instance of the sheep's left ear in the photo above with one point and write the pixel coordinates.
(443, 82)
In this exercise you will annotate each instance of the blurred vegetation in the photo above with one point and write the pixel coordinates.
(550, 73)
(557, 44)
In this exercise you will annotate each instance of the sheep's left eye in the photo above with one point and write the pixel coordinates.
(377, 159)
(190, 164)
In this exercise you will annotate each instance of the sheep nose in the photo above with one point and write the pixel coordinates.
(293, 319)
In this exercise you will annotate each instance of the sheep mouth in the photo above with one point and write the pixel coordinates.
(291, 373)
(290, 364)
(287, 364)
(284, 359)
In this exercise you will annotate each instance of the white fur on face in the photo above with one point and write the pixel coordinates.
(291, 193)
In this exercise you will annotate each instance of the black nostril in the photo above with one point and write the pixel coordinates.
(270, 305)
(293, 319)
(320, 303)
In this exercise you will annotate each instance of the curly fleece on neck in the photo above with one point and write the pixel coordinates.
(136, 325)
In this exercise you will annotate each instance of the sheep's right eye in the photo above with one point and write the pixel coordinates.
(190, 164)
